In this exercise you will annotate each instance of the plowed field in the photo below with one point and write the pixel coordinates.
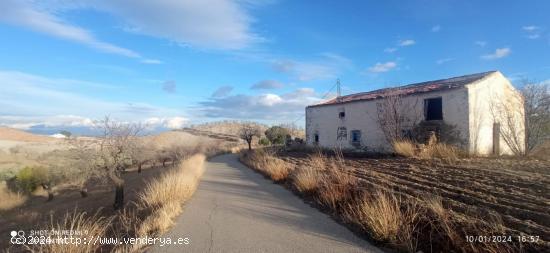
(517, 190)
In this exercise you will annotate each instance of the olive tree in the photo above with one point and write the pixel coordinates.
(277, 134)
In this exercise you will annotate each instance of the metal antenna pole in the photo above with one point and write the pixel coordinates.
(338, 91)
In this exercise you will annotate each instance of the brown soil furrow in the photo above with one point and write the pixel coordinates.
(471, 198)
(526, 186)
(469, 210)
(502, 200)
(532, 199)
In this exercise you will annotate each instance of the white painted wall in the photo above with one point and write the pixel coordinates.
(486, 98)
(467, 108)
(362, 115)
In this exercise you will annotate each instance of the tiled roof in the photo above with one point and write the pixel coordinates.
(436, 85)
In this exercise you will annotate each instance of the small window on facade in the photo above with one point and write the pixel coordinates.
(342, 133)
(342, 115)
(316, 138)
(356, 137)
(433, 109)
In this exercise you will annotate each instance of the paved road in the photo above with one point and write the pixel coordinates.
(236, 210)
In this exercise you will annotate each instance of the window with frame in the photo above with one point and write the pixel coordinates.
(316, 138)
(433, 109)
(356, 137)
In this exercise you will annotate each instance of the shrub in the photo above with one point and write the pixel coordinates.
(277, 134)
(444, 132)
(29, 178)
(264, 142)
(7, 174)
(404, 148)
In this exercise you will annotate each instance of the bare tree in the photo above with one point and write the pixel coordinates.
(143, 152)
(507, 111)
(248, 131)
(395, 114)
(83, 161)
(115, 148)
(537, 113)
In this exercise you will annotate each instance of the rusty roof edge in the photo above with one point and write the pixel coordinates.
(483, 78)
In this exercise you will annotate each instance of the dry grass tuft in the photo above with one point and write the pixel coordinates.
(306, 179)
(94, 225)
(337, 185)
(267, 163)
(164, 195)
(386, 217)
(9, 199)
(404, 148)
(440, 150)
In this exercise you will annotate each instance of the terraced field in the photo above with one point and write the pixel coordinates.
(517, 190)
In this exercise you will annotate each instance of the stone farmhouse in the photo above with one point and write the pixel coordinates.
(484, 109)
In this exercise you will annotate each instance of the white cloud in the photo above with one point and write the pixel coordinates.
(405, 43)
(499, 53)
(214, 24)
(151, 61)
(27, 122)
(327, 66)
(382, 67)
(167, 122)
(390, 49)
(266, 85)
(277, 107)
(33, 100)
(175, 122)
(530, 28)
(436, 28)
(481, 43)
(445, 60)
(532, 31)
(269, 99)
(21, 13)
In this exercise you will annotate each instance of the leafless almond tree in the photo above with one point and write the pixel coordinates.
(537, 112)
(395, 114)
(83, 155)
(248, 131)
(507, 111)
(116, 144)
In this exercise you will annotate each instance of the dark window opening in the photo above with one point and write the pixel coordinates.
(316, 137)
(433, 109)
(356, 137)
(342, 115)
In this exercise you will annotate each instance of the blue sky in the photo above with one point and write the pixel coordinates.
(65, 63)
